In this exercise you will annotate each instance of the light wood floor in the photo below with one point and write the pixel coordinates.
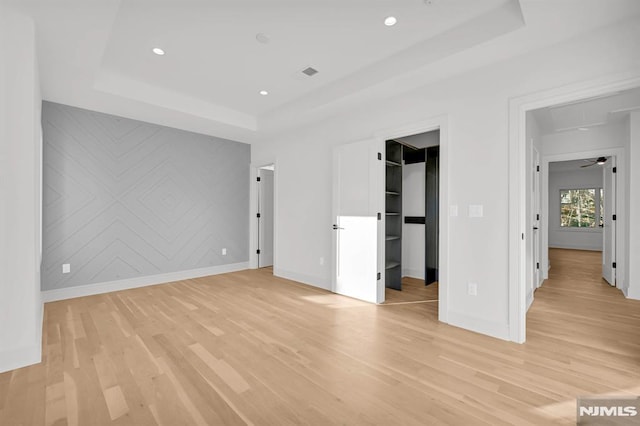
(413, 290)
(250, 348)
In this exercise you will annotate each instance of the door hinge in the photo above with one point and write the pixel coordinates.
(379, 156)
(379, 276)
(537, 217)
(258, 178)
(615, 170)
(537, 265)
(523, 236)
(614, 217)
(537, 168)
(614, 264)
(258, 215)
(258, 251)
(379, 216)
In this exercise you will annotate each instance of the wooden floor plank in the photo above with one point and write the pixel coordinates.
(250, 348)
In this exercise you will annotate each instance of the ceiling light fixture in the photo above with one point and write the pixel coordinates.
(584, 129)
(263, 38)
(390, 21)
(264, 92)
(158, 51)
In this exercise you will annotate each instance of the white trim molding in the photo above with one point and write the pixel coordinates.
(25, 355)
(322, 283)
(498, 330)
(21, 357)
(110, 286)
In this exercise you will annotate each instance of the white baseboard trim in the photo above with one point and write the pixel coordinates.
(110, 286)
(632, 293)
(529, 300)
(572, 247)
(313, 281)
(489, 328)
(26, 355)
(21, 357)
(413, 273)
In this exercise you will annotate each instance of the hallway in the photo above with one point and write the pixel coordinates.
(577, 307)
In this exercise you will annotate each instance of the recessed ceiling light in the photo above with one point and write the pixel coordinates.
(584, 129)
(264, 92)
(158, 51)
(390, 21)
(263, 38)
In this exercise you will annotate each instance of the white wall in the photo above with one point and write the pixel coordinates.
(20, 206)
(572, 238)
(413, 235)
(476, 105)
(633, 236)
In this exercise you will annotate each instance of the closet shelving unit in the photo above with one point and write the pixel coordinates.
(393, 213)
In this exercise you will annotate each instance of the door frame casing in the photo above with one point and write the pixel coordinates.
(253, 209)
(519, 224)
(441, 123)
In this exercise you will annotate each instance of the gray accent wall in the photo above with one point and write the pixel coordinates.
(126, 199)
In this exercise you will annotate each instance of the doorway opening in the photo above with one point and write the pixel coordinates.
(582, 211)
(265, 217)
(412, 218)
(577, 176)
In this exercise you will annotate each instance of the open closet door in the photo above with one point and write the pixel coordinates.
(357, 194)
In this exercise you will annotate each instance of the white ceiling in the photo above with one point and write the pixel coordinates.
(97, 53)
(588, 113)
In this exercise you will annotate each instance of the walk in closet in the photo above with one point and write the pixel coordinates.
(411, 209)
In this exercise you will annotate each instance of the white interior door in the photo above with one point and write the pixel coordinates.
(609, 224)
(357, 197)
(537, 223)
(265, 221)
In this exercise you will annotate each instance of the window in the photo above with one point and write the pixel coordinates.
(581, 208)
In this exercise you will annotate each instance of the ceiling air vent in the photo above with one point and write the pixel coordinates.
(310, 71)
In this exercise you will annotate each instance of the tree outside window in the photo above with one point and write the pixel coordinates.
(581, 208)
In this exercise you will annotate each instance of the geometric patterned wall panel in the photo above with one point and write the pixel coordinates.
(125, 199)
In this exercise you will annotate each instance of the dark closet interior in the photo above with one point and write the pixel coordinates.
(399, 153)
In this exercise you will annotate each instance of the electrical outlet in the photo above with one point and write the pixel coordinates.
(473, 289)
(66, 268)
(224, 251)
(322, 261)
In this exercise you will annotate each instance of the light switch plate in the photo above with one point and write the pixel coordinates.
(476, 210)
(224, 251)
(453, 210)
(66, 268)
